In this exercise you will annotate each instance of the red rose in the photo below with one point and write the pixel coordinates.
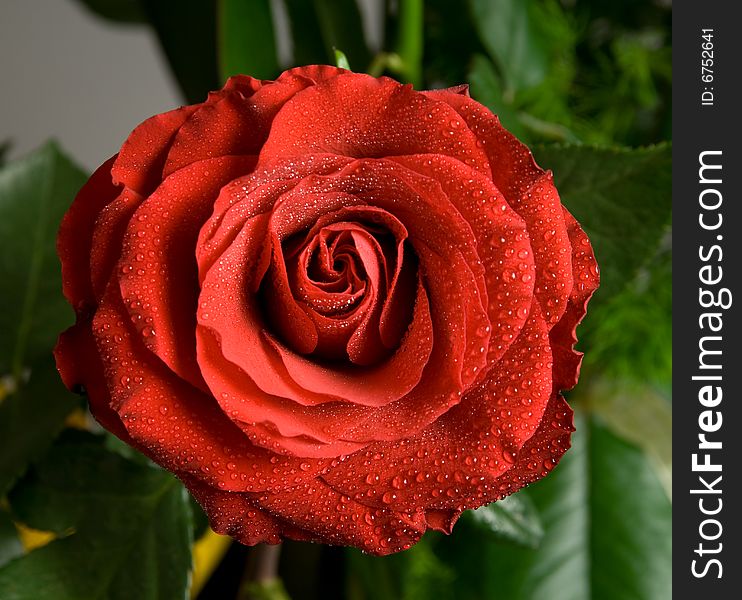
(338, 309)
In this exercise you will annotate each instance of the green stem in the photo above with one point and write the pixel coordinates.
(410, 40)
(261, 581)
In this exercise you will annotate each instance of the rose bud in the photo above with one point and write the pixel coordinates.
(337, 308)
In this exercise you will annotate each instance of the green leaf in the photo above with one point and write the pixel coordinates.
(636, 412)
(621, 197)
(5, 147)
(247, 43)
(607, 532)
(30, 419)
(341, 60)
(306, 36)
(118, 11)
(10, 545)
(513, 518)
(341, 27)
(34, 194)
(187, 35)
(449, 39)
(629, 336)
(126, 528)
(507, 31)
(487, 89)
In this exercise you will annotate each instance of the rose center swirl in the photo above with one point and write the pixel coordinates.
(353, 282)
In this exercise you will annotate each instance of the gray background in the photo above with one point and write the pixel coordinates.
(70, 75)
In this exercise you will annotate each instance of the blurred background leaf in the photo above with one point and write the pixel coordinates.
(341, 27)
(5, 147)
(555, 70)
(508, 31)
(34, 194)
(247, 41)
(118, 11)
(10, 545)
(31, 416)
(631, 338)
(124, 529)
(514, 518)
(409, 44)
(187, 31)
(607, 190)
(306, 34)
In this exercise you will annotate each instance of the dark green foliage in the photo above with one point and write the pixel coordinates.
(125, 529)
(34, 194)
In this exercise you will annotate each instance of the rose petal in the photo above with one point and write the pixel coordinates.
(502, 243)
(374, 386)
(232, 513)
(315, 73)
(540, 454)
(586, 278)
(334, 518)
(108, 236)
(447, 253)
(361, 116)
(235, 121)
(78, 361)
(513, 168)
(75, 239)
(176, 424)
(159, 287)
(541, 209)
(238, 327)
(142, 157)
(442, 520)
(448, 464)
(252, 195)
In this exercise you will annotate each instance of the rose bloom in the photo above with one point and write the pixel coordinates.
(337, 308)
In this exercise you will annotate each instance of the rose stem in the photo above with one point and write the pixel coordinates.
(261, 581)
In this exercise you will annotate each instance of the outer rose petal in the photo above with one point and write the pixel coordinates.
(531, 192)
(78, 361)
(75, 239)
(107, 237)
(335, 518)
(232, 513)
(141, 159)
(446, 464)
(315, 73)
(563, 336)
(379, 118)
(231, 123)
(513, 168)
(442, 520)
(311, 512)
(542, 211)
(160, 291)
(176, 424)
(539, 455)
